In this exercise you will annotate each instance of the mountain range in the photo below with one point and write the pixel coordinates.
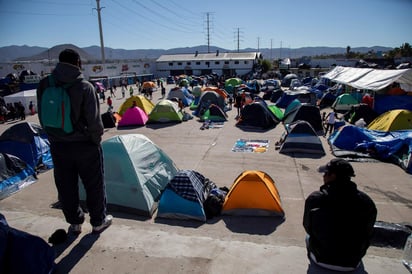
(93, 53)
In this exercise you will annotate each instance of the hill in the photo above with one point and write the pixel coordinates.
(92, 53)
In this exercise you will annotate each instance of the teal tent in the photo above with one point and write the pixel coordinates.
(344, 102)
(136, 171)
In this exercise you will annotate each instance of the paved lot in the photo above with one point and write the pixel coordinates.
(134, 244)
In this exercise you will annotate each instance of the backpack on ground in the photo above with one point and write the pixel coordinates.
(56, 109)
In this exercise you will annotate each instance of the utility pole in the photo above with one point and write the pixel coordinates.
(271, 49)
(238, 40)
(236, 37)
(280, 50)
(208, 33)
(258, 42)
(100, 30)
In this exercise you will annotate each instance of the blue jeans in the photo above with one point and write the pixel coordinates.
(84, 160)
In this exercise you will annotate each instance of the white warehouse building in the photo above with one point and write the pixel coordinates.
(228, 63)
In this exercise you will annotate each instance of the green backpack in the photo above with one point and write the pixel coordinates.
(55, 105)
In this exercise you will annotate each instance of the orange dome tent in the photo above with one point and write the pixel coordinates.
(253, 194)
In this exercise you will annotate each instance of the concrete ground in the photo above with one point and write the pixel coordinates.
(134, 244)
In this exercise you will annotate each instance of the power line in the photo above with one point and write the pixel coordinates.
(41, 14)
(148, 18)
(160, 15)
(188, 19)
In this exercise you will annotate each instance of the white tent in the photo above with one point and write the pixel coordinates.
(371, 79)
(25, 97)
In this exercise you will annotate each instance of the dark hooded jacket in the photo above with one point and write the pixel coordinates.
(85, 107)
(339, 220)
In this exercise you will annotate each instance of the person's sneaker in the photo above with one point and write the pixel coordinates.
(106, 223)
(75, 228)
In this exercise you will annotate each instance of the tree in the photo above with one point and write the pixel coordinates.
(405, 50)
(266, 65)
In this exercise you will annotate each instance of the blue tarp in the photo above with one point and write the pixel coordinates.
(384, 103)
(15, 174)
(394, 146)
(23, 253)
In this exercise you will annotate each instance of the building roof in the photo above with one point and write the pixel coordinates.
(215, 56)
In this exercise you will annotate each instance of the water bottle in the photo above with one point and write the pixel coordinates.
(407, 253)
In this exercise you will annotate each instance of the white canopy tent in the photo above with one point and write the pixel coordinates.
(371, 79)
(25, 97)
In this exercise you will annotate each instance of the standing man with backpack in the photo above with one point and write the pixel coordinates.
(77, 153)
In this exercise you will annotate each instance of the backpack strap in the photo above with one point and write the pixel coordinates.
(52, 83)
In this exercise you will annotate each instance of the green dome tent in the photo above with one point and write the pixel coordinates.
(165, 111)
(344, 102)
(233, 82)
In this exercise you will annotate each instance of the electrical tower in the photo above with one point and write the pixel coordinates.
(208, 27)
(237, 39)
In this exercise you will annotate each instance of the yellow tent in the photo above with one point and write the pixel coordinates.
(253, 194)
(142, 102)
(397, 119)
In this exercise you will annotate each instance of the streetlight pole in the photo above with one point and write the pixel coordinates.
(100, 30)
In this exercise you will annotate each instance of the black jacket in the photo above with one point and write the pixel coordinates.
(85, 106)
(339, 220)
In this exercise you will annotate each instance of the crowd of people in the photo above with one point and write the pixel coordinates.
(10, 112)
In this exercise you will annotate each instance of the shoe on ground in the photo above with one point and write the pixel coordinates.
(75, 228)
(106, 223)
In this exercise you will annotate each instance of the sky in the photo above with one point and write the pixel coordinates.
(229, 24)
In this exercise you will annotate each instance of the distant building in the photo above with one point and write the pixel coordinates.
(227, 63)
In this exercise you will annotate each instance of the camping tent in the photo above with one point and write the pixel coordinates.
(206, 99)
(165, 111)
(136, 171)
(276, 111)
(25, 97)
(361, 111)
(307, 113)
(397, 119)
(303, 95)
(327, 99)
(184, 197)
(344, 102)
(29, 142)
(15, 174)
(133, 116)
(292, 106)
(214, 113)
(253, 193)
(181, 93)
(219, 91)
(233, 82)
(300, 137)
(141, 101)
(258, 115)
